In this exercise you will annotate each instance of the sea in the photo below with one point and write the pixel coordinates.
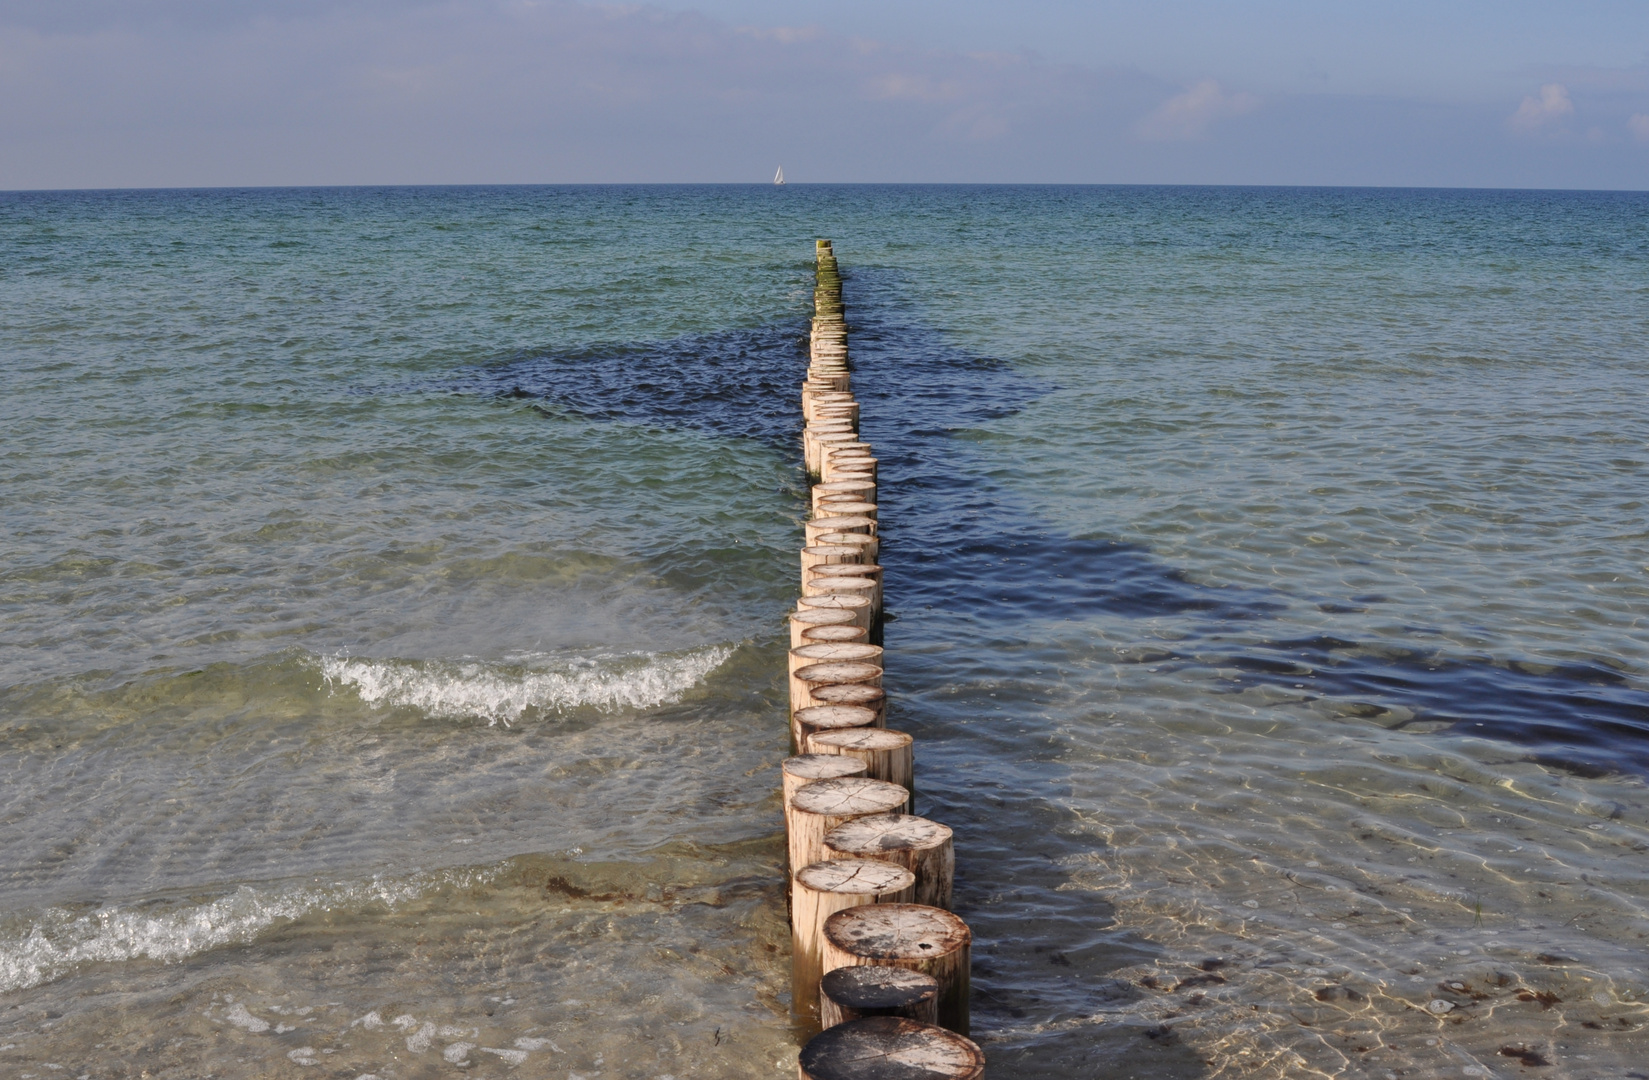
(392, 623)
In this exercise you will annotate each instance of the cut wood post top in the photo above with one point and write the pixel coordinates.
(822, 718)
(832, 551)
(847, 506)
(844, 569)
(862, 877)
(876, 986)
(844, 487)
(832, 600)
(840, 671)
(832, 635)
(861, 541)
(813, 767)
(842, 523)
(890, 1048)
(892, 931)
(864, 695)
(821, 616)
(871, 739)
(850, 796)
(837, 651)
(847, 586)
(886, 832)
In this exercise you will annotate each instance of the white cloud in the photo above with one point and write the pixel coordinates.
(1638, 125)
(1536, 112)
(1188, 115)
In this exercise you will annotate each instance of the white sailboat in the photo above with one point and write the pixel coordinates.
(778, 177)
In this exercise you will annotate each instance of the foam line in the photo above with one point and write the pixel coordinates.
(50, 943)
(505, 691)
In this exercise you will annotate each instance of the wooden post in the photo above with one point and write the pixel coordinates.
(847, 506)
(830, 555)
(853, 993)
(812, 655)
(803, 681)
(867, 587)
(835, 635)
(887, 754)
(817, 718)
(865, 489)
(819, 891)
(804, 769)
(824, 804)
(846, 462)
(858, 605)
(921, 846)
(818, 527)
(890, 1048)
(869, 571)
(869, 546)
(863, 695)
(915, 936)
(811, 618)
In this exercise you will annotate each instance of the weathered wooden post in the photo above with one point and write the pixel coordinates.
(921, 846)
(824, 804)
(818, 892)
(915, 936)
(887, 754)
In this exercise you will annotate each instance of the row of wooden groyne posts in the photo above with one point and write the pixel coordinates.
(880, 962)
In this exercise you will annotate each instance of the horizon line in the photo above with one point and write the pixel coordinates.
(816, 184)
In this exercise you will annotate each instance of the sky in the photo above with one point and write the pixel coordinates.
(190, 93)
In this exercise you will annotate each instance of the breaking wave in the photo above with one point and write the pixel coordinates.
(43, 946)
(504, 691)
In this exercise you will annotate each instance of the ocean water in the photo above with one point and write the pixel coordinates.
(391, 623)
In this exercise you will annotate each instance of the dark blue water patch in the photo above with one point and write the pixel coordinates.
(955, 540)
(1583, 718)
(738, 383)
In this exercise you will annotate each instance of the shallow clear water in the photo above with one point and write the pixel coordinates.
(393, 594)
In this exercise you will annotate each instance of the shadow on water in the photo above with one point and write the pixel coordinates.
(738, 383)
(960, 543)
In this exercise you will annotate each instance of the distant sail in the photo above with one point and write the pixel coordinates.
(778, 177)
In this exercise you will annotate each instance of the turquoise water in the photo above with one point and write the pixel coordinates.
(393, 622)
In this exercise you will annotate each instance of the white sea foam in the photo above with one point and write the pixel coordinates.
(52, 942)
(503, 691)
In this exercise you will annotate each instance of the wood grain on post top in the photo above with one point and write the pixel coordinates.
(822, 889)
(811, 618)
(822, 556)
(830, 673)
(847, 506)
(915, 936)
(869, 546)
(864, 695)
(846, 569)
(803, 769)
(869, 588)
(859, 606)
(921, 846)
(833, 635)
(887, 754)
(890, 1048)
(812, 655)
(804, 723)
(824, 804)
